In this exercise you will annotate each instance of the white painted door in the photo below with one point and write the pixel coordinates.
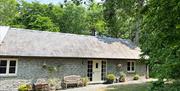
(96, 70)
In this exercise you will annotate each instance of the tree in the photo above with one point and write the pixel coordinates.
(160, 38)
(73, 19)
(35, 16)
(123, 18)
(7, 11)
(41, 23)
(95, 19)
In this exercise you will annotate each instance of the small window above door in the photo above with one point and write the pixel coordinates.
(96, 65)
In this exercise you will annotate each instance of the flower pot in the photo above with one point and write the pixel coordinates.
(52, 88)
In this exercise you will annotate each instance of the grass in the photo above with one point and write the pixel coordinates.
(130, 87)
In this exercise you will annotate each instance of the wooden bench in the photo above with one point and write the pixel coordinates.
(71, 80)
(41, 85)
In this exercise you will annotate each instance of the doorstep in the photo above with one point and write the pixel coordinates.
(95, 82)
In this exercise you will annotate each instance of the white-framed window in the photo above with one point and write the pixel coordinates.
(130, 66)
(8, 67)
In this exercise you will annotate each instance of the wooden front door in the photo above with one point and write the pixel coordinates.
(96, 76)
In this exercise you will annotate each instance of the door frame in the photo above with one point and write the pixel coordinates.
(90, 72)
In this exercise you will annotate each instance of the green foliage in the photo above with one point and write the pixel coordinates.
(136, 77)
(73, 19)
(120, 16)
(51, 69)
(122, 77)
(7, 11)
(23, 88)
(110, 78)
(164, 86)
(85, 81)
(35, 16)
(53, 82)
(70, 17)
(160, 37)
(95, 19)
(42, 23)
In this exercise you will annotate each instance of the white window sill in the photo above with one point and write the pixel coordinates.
(8, 75)
(130, 71)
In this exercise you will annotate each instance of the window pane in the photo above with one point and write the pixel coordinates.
(89, 66)
(132, 64)
(128, 68)
(12, 63)
(2, 70)
(96, 65)
(90, 79)
(89, 70)
(128, 64)
(3, 62)
(132, 68)
(12, 70)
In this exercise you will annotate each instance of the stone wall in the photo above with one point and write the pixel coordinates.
(140, 68)
(31, 69)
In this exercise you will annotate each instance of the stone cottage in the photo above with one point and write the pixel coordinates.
(24, 54)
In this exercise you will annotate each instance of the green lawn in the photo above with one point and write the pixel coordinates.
(130, 87)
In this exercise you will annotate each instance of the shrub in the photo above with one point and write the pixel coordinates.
(85, 81)
(110, 78)
(23, 87)
(136, 77)
(122, 77)
(53, 83)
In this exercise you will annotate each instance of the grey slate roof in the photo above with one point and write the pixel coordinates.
(23, 42)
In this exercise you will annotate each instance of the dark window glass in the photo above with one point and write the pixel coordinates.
(96, 65)
(3, 65)
(12, 63)
(132, 64)
(2, 70)
(89, 73)
(12, 66)
(128, 68)
(128, 64)
(103, 70)
(89, 66)
(132, 68)
(12, 70)
(90, 79)
(89, 70)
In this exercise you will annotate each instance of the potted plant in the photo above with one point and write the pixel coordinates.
(85, 81)
(24, 87)
(136, 77)
(52, 84)
(110, 78)
(122, 77)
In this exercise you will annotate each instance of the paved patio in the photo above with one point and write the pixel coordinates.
(100, 87)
